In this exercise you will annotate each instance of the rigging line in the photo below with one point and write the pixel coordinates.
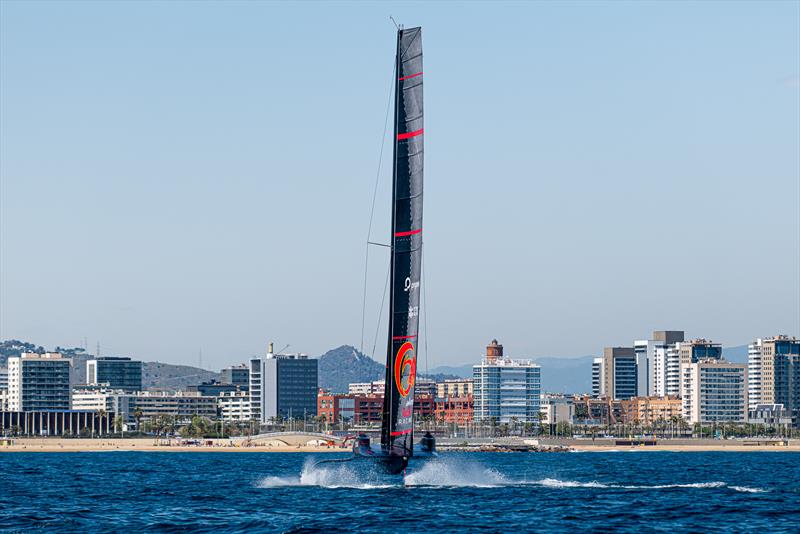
(380, 313)
(424, 306)
(372, 210)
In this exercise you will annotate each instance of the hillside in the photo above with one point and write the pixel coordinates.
(340, 366)
(157, 375)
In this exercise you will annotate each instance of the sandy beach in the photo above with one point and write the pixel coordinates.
(228, 445)
(688, 448)
(149, 444)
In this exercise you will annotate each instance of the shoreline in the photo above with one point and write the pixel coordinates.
(231, 446)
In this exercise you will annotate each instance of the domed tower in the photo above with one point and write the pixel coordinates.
(494, 351)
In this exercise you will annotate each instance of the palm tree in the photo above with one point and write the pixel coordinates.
(118, 425)
(101, 414)
(138, 414)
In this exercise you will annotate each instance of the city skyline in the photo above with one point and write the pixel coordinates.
(192, 186)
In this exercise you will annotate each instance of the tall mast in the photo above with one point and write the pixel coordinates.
(406, 246)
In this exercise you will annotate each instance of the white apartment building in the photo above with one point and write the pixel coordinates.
(714, 391)
(96, 399)
(672, 374)
(556, 409)
(658, 370)
(376, 387)
(39, 382)
(506, 390)
(454, 388)
(754, 382)
(234, 406)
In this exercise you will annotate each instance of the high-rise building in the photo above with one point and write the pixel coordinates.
(283, 385)
(714, 391)
(619, 380)
(115, 372)
(774, 366)
(672, 366)
(651, 362)
(506, 389)
(238, 375)
(597, 378)
(39, 382)
(3, 379)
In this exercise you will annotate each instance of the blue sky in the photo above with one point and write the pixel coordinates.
(177, 177)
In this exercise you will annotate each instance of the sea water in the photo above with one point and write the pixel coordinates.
(459, 492)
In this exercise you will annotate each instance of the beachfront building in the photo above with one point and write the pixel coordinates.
(238, 375)
(651, 410)
(774, 374)
(453, 409)
(181, 406)
(38, 382)
(714, 391)
(652, 362)
(459, 387)
(506, 390)
(597, 378)
(115, 372)
(3, 379)
(619, 377)
(234, 406)
(770, 415)
(56, 423)
(100, 399)
(376, 387)
(282, 386)
(557, 409)
(336, 408)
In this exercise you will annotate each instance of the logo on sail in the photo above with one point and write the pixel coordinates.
(405, 368)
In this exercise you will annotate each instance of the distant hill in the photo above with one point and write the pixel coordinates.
(340, 366)
(157, 375)
(344, 365)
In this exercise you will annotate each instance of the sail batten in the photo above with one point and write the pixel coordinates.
(406, 237)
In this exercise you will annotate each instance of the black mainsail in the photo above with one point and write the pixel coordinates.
(406, 261)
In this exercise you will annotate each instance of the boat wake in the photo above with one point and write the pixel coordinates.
(555, 483)
(451, 473)
(455, 473)
(344, 475)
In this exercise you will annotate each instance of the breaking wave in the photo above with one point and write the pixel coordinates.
(328, 476)
(456, 473)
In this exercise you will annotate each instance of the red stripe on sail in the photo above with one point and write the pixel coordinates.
(410, 134)
(401, 432)
(398, 338)
(410, 76)
(410, 232)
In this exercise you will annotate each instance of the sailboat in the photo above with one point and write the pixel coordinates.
(397, 422)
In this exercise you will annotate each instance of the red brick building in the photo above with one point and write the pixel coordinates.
(459, 410)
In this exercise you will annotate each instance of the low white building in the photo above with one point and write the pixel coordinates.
(377, 387)
(770, 415)
(234, 406)
(556, 409)
(96, 399)
(714, 391)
